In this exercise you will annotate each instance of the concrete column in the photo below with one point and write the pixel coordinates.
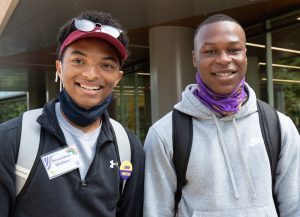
(252, 76)
(269, 55)
(171, 66)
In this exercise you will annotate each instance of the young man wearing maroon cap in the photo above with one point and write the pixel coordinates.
(77, 170)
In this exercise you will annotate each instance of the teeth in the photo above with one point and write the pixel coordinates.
(89, 87)
(224, 74)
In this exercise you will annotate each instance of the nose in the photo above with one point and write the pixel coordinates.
(91, 73)
(224, 58)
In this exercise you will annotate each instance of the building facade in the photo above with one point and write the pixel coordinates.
(161, 43)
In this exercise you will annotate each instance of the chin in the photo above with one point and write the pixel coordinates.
(87, 105)
(224, 91)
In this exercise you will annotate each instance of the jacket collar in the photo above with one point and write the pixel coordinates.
(49, 122)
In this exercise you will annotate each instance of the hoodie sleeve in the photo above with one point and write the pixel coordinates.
(287, 187)
(131, 203)
(160, 177)
(8, 139)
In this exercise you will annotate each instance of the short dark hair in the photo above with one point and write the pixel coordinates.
(96, 17)
(214, 19)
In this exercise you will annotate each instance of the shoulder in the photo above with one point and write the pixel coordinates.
(11, 128)
(159, 136)
(286, 123)
(161, 130)
(137, 152)
(10, 132)
(11, 124)
(135, 142)
(163, 125)
(289, 131)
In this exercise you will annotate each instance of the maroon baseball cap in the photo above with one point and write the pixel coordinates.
(96, 33)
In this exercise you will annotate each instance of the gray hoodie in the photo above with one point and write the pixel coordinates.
(228, 173)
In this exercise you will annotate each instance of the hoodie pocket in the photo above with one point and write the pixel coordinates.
(254, 212)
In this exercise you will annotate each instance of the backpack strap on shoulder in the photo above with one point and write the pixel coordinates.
(29, 145)
(28, 150)
(122, 143)
(182, 144)
(271, 132)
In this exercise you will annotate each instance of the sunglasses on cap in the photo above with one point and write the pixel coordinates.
(88, 26)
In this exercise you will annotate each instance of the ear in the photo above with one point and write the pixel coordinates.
(246, 55)
(120, 76)
(194, 59)
(58, 68)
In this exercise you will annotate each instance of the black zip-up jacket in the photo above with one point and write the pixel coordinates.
(67, 195)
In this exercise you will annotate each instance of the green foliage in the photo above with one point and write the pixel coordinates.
(12, 108)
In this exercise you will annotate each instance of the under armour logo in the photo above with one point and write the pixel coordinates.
(112, 164)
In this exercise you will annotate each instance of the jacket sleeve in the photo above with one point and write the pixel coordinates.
(160, 177)
(287, 187)
(8, 150)
(131, 202)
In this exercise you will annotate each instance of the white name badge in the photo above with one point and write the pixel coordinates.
(60, 162)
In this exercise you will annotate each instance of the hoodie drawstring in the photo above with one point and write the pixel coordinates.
(244, 162)
(242, 156)
(229, 167)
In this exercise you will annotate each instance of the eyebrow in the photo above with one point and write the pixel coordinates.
(78, 52)
(110, 58)
(212, 43)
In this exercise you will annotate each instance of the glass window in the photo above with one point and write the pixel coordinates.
(286, 70)
(12, 105)
(285, 34)
(13, 95)
(132, 100)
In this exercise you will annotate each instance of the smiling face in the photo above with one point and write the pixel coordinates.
(220, 56)
(90, 69)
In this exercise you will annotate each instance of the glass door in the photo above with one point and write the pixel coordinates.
(132, 100)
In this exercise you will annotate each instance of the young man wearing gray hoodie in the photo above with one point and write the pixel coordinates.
(228, 172)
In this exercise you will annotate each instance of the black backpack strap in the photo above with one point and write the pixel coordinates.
(270, 128)
(182, 144)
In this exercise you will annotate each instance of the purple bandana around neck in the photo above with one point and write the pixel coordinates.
(221, 104)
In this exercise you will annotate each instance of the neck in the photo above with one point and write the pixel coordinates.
(86, 129)
(80, 116)
(223, 105)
